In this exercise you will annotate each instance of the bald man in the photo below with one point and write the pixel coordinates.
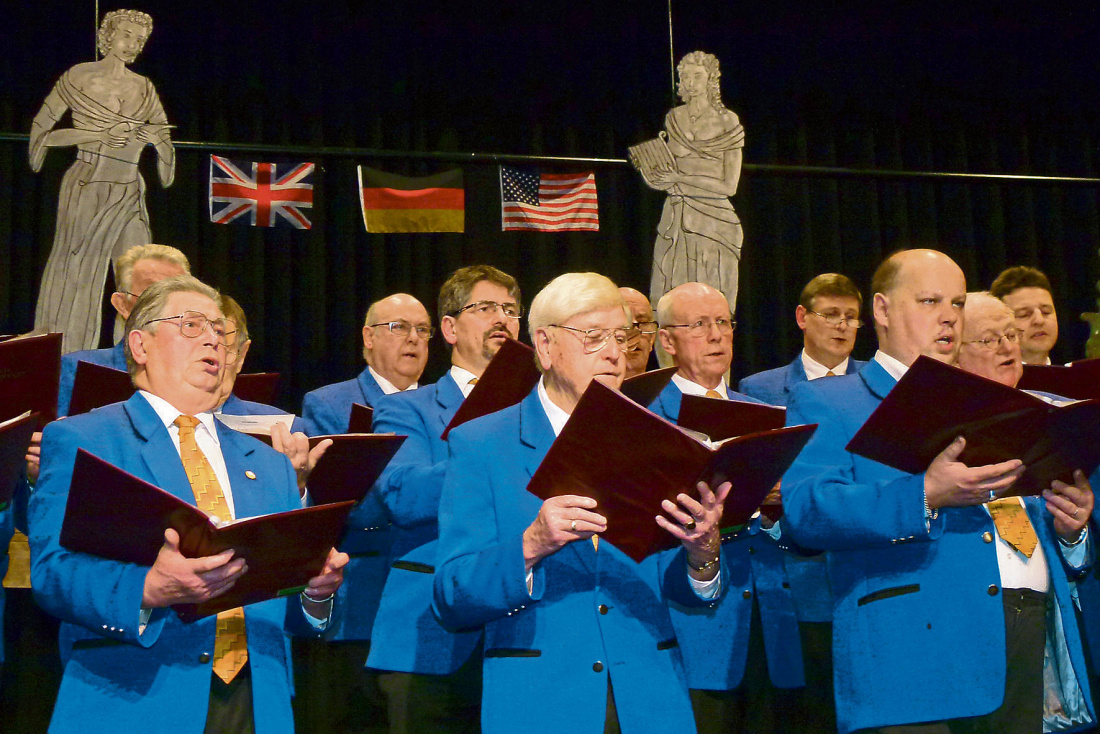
(643, 332)
(937, 621)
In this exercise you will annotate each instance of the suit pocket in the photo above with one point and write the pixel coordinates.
(96, 644)
(414, 566)
(668, 644)
(512, 652)
(889, 593)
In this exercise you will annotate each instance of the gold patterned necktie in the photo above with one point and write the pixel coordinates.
(713, 394)
(230, 643)
(473, 381)
(830, 373)
(1012, 523)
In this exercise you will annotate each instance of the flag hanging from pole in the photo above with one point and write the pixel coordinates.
(550, 202)
(393, 203)
(259, 191)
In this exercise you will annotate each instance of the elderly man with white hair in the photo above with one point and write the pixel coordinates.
(560, 607)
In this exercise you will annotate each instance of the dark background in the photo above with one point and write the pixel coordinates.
(991, 88)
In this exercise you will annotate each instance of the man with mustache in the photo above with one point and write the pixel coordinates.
(742, 657)
(127, 655)
(433, 678)
(337, 692)
(1027, 292)
(926, 602)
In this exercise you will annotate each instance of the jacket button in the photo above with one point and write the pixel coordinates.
(987, 537)
(204, 658)
(597, 666)
(992, 590)
(602, 608)
(751, 550)
(746, 594)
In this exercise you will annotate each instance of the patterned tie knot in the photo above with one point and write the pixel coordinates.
(713, 394)
(830, 373)
(186, 423)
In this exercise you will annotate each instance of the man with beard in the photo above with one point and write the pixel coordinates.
(433, 682)
(1027, 292)
(928, 607)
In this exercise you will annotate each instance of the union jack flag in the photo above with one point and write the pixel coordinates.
(264, 195)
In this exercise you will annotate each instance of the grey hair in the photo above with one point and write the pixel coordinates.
(570, 294)
(124, 266)
(152, 302)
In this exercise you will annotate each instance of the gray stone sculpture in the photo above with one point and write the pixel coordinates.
(697, 161)
(101, 208)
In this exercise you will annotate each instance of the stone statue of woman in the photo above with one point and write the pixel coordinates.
(699, 235)
(101, 208)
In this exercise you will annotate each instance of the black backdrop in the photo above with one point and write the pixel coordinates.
(934, 88)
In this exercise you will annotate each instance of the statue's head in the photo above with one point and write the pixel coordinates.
(709, 64)
(133, 24)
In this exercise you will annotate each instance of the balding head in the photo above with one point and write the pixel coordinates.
(400, 358)
(641, 339)
(697, 332)
(990, 340)
(918, 301)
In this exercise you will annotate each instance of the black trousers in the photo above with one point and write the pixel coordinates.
(427, 704)
(230, 710)
(335, 691)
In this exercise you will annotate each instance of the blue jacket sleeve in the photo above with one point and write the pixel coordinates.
(411, 484)
(319, 418)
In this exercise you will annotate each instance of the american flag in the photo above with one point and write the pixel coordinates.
(552, 202)
(264, 195)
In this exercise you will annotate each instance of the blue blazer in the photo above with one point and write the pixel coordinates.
(774, 386)
(407, 636)
(589, 614)
(918, 622)
(716, 640)
(159, 679)
(115, 358)
(367, 539)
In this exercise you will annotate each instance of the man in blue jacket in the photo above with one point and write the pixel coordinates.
(743, 656)
(577, 635)
(335, 690)
(128, 657)
(433, 678)
(828, 313)
(938, 618)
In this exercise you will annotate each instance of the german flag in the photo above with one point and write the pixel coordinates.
(393, 203)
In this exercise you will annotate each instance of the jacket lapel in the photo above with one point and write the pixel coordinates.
(236, 452)
(877, 379)
(796, 373)
(369, 387)
(448, 397)
(158, 450)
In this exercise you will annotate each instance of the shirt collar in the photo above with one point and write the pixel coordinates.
(815, 369)
(388, 387)
(893, 367)
(462, 378)
(556, 415)
(688, 387)
(168, 414)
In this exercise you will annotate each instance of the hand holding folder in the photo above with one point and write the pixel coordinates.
(629, 460)
(113, 514)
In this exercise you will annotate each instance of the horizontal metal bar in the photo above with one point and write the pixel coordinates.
(760, 169)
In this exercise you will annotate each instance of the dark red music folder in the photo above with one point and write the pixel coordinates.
(30, 370)
(1077, 380)
(95, 385)
(113, 514)
(15, 437)
(933, 403)
(629, 460)
(350, 466)
(361, 419)
(643, 389)
(721, 419)
(259, 387)
(510, 376)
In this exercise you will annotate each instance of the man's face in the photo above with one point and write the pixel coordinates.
(639, 345)
(569, 369)
(477, 336)
(1036, 319)
(703, 355)
(923, 312)
(127, 40)
(182, 370)
(144, 273)
(999, 359)
(400, 359)
(826, 344)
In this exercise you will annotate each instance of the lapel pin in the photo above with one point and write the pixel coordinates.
(250, 474)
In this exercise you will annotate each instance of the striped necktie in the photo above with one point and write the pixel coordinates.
(1012, 523)
(713, 394)
(230, 643)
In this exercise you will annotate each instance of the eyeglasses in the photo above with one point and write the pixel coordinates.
(490, 308)
(702, 327)
(1012, 336)
(836, 319)
(644, 327)
(593, 340)
(403, 329)
(192, 325)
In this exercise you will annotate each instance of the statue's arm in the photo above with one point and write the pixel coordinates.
(42, 134)
(724, 186)
(158, 135)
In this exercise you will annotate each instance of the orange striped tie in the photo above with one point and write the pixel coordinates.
(713, 394)
(1013, 525)
(230, 643)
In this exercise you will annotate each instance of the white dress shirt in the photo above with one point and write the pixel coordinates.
(815, 370)
(388, 388)
(687, 387)
(463, 378)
